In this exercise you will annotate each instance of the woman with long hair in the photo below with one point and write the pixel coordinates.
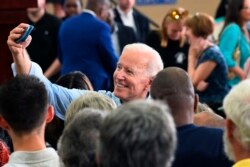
(234, 39)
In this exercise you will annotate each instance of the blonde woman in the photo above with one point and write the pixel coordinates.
(169, 41)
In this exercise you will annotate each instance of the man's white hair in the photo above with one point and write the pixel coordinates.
(154, 64)
(237, 108)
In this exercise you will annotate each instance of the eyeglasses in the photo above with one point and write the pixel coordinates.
(177, 15)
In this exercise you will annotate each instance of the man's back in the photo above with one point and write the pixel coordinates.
(200, 146)
(43, 158)
(85, 43)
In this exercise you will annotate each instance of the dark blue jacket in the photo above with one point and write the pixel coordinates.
(200, 147)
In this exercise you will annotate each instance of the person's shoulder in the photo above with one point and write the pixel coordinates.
(112, 96)
(232, 28)
(209, 131)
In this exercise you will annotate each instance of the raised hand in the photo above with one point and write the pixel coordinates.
(18, 48)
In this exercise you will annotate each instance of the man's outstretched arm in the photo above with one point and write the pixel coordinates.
(21, 59)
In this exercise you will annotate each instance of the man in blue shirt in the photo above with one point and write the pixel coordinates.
(133, 76)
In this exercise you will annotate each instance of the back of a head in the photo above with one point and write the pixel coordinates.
(144, 53)
(139, 133)
(96, 5)
(175, 88)
(89, 100)
(23, 103)
(78, 143)
(201, 24)
(237, 106)
(76, 80)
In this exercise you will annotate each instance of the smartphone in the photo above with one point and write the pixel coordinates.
(25, 34)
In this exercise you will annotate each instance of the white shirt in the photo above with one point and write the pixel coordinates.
(42, 158)
(115, 40)
(127, 18)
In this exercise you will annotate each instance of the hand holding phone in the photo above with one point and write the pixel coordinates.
(25, 34)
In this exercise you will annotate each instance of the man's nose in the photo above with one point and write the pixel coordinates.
(120, 74)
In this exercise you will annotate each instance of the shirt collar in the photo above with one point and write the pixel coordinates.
(130, 12)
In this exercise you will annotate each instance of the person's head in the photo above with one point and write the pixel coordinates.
(100, 7)
(78, 143)
(136, 69)
(76, 80)
(238, 11)
(172, 25)
(126, 5)
(237, 135)
(89, 100)
(40, 6)
(199, 25)
(175, 88)
(24, 105)
(139, 133)
(73, 7)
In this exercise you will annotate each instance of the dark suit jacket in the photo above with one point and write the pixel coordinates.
(141, 22)
(126, 35)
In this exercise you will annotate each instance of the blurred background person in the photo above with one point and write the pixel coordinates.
(126, 15)
(57, 7)
(206, 64)
(169, 41)
(44, 47)
(234, 39)
(121, 35)
(86, 45)
(72, 8)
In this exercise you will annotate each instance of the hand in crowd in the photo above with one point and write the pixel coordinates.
(196, 47)
(18, 48)
(202, 85)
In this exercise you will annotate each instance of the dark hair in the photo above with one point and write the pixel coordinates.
(23, 103)
(76, 80)
(233, 13)
(80, 1)
(201, 24)
(78, 143)
(138, 134)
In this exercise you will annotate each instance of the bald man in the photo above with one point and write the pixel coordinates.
(197, 146)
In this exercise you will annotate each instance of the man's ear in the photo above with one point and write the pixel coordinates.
(149, 83)
(4, 124)
(196, 101)
(230, 127)
(50, 114)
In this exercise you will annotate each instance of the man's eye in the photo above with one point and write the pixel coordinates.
(130, 72)
(118, 67)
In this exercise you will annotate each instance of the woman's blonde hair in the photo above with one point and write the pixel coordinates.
(173, 15)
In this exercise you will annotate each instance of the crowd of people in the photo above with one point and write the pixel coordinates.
(127, 95)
